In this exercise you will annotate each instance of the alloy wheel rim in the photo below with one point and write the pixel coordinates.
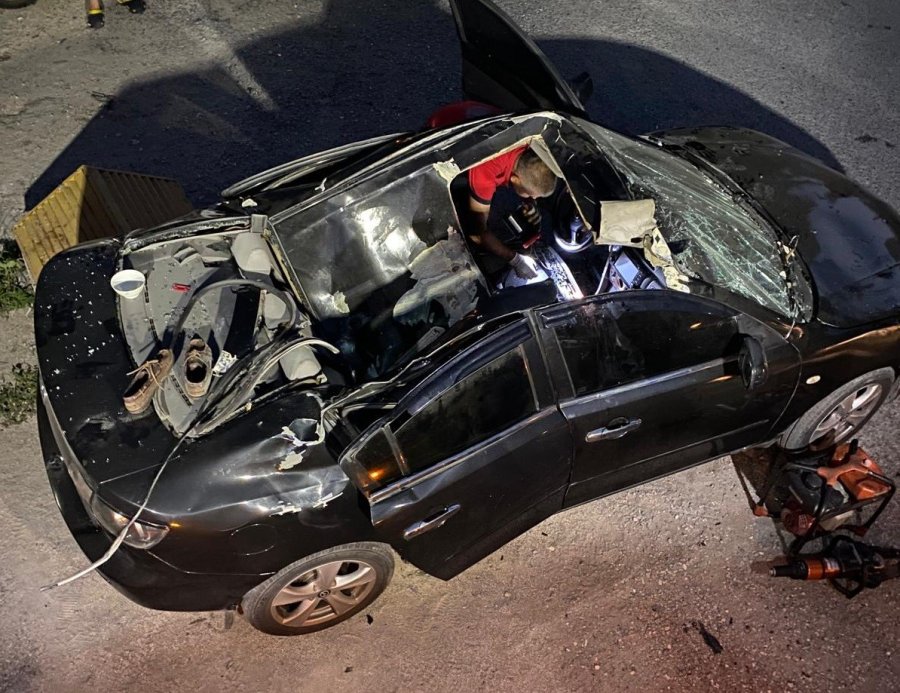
(323, 594)
(848, 415)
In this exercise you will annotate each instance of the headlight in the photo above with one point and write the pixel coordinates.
(140, 536)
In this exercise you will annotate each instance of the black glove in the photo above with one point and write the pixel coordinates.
(532, 214)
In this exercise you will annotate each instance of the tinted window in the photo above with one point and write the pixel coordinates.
(617, 341)
(486, 402)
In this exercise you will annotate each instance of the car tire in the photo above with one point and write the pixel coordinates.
(844, 411)
(321, 590)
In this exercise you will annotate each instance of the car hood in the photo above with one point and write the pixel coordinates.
(848, 239)
(84, 364)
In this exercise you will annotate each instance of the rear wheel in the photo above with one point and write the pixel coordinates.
(321, 590)
(839, 416)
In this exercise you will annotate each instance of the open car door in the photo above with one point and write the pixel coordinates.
(505, 68)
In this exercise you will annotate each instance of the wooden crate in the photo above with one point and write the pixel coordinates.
(95, 203)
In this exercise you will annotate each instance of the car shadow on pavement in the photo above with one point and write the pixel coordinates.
(356, 74)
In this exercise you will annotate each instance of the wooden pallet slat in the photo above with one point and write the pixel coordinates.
(95, 203)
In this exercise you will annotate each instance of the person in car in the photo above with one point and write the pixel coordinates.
(522, 171)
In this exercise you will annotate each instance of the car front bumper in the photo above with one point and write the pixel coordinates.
(138, 574)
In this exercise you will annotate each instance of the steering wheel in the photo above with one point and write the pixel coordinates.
(569, 231)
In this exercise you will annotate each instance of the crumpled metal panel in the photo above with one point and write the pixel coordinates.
(291, 171)
(348, 247)
(360, 252)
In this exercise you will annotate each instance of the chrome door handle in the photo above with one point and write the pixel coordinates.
(430, 523)
(617, 428)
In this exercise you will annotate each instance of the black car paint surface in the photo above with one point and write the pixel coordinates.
(251, 496)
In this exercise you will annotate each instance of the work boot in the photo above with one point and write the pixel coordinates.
(134, 6)
(94, 9)
(146, 381)
(197, 368)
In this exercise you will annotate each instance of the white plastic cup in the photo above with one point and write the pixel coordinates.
(128, 283)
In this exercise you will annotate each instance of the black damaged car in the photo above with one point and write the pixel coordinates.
(365, 387)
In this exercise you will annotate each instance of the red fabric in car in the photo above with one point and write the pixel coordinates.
(485, 178)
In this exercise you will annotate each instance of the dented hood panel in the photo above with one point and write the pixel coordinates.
(84, 364)
(849, 239)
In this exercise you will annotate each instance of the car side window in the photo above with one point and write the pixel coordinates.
(377, 461)
(615, 341)
(482, 392)
(486, 402)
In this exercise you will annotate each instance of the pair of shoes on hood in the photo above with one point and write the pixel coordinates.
(147, 378)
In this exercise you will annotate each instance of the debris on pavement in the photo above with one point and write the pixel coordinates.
(711, 640)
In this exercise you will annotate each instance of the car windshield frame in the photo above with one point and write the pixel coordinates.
(746, 262)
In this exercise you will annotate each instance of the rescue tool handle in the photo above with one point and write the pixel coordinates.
(430, 523)
(617, 428)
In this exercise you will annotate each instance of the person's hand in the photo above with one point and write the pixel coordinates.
(532, 214)
(522, 267)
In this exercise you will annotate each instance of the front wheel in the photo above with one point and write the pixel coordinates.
(321, 590)
(839, 416)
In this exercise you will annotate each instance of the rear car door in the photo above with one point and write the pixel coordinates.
(655, 381)
(471, 458)
(505, 68)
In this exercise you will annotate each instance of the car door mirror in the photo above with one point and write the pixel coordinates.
(583, 86)
(752, 363)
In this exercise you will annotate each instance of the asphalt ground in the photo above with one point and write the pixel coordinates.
(607, 596)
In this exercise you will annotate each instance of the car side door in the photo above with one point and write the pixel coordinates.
(655, 381)
(471, 458)
(502, 66)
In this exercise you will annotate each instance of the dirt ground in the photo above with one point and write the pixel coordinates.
(608, 596)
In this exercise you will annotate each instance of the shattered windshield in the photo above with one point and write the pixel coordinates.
(712, 237)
